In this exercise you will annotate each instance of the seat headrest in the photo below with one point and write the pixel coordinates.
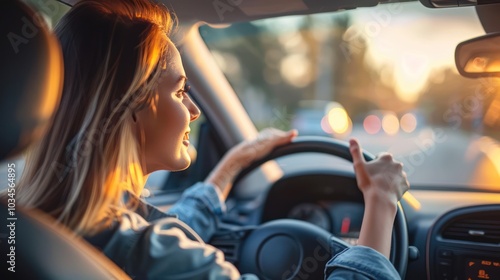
(31, 76)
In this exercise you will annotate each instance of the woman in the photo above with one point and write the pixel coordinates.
(125, 113)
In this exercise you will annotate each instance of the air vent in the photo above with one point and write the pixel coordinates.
(482, 227)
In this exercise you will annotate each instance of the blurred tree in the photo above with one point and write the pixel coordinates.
(461, 103)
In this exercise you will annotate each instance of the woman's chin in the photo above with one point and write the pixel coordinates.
(177, 165)
(182, 164)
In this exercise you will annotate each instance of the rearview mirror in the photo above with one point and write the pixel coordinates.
(456, 3)
(479, 57)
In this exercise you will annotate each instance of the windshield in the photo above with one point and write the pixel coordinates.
(385, 75)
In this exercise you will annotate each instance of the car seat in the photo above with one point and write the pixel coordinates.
(32, 245)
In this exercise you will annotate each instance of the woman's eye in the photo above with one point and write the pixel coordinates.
(182, 92)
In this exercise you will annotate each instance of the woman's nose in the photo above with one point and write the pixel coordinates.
(194, 111)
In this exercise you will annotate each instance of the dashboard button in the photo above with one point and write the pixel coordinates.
(444, 263)
(445, 253)
(445, 272)
(445, 269)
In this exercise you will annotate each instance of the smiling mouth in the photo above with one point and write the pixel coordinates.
(185, 140)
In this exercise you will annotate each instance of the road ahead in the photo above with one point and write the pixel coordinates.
(441, 156)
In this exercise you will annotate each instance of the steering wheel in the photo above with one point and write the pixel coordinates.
(289, 249)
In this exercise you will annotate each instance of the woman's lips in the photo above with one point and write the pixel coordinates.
(185, 141)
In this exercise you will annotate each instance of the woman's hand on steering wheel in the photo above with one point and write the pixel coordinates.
(244, 154)
(382, 177)
(382, 182)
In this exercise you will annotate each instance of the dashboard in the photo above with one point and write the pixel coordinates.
(343, 219)
(465, 244)
(331, 200)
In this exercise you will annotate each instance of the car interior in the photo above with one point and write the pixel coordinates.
(419, 79)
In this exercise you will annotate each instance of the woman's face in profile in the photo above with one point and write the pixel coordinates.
(165, 122)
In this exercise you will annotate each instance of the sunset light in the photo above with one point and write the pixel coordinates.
(412, 62)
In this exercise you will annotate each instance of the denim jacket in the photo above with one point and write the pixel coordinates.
(149, 244)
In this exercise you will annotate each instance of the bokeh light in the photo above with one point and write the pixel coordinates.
(338, 120)
(408, 122)
(390, 124)
(372, 124)
(325, 125)
(296, 76)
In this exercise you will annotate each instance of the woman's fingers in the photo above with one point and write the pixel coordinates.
(359, 164)
(271, 138)
(275, 136)
(355, 149)
(268, 139)
(382, 175)
(287, 137)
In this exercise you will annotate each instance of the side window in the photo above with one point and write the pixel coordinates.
(50, 10)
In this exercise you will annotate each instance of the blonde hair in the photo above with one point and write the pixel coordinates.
(114, 52)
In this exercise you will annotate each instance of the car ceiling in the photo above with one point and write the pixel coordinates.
(228, 11)
(488, 15)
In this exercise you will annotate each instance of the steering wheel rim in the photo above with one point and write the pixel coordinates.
(285, 232)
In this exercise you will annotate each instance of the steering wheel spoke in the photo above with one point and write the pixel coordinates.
(229, 238)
